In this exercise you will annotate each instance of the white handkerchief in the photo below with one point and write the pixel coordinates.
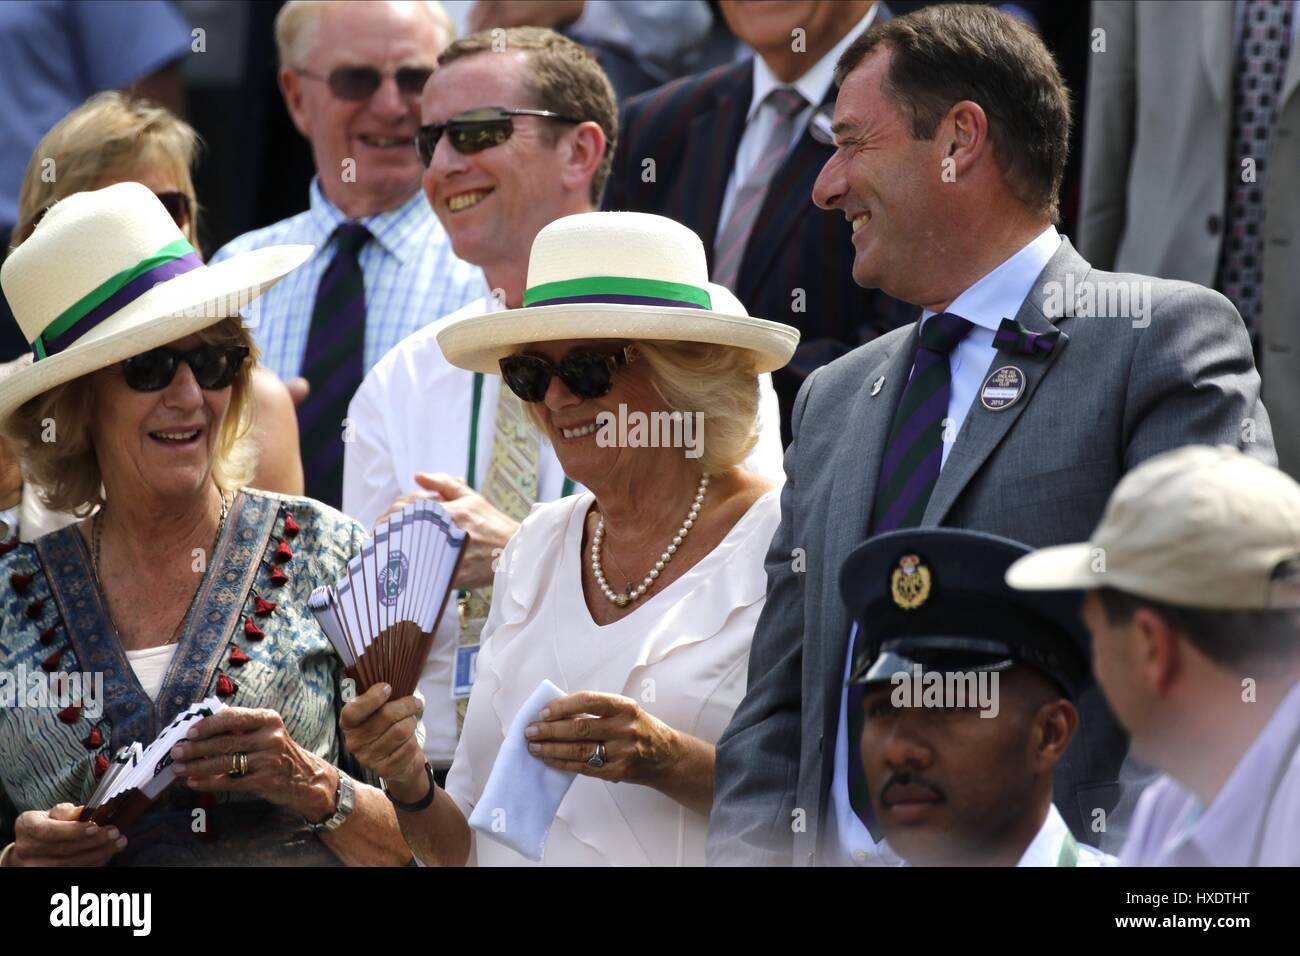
(522, 793)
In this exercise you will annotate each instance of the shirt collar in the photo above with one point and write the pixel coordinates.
(816, 82)
(1225, 832)
(1045, 848)
(397, 231)
(1000, 293)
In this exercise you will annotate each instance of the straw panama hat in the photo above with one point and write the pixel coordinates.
(617, 275)
(107, 275)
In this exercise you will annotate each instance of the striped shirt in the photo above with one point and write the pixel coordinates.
(411, 274)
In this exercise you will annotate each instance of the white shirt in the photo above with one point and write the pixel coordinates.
(1172, 828)
(150, 666)
(996, 296)
(762, 117)
(1048, 846)
(682, 655)
(412, 413)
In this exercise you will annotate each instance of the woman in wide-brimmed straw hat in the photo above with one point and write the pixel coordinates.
(638, 598)
(182, 585)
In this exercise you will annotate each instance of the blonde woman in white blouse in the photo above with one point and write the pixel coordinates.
(639, 597)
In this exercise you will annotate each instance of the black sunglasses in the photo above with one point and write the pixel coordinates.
(356, 83)
(476, 130)
(214, 366)
(586, 374)
(177, 205)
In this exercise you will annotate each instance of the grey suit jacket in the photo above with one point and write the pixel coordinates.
(1107, 397)
(1157, 134)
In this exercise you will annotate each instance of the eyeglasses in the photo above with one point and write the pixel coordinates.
(357, 83)
(177, 205)
(476, 130)
(585, 374)
(214, 366)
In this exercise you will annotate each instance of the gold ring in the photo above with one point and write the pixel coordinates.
(238, 765)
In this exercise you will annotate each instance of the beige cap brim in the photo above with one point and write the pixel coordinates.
(477, 343)
(1066, 567)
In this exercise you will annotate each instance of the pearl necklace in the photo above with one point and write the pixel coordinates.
(630, 593)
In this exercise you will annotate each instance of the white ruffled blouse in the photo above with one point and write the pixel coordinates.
(683, 654)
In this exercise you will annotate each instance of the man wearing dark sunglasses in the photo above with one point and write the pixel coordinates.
(351, 74)
(513, 141)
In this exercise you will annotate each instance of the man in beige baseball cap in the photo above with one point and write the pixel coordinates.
(1193, 581)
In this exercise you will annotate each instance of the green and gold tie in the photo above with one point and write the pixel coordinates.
(510, 487)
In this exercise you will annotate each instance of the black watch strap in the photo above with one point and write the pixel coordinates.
(420, 805)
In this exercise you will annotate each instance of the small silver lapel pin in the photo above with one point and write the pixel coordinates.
(877, 385)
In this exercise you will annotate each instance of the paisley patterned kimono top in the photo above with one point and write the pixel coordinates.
(247, 638)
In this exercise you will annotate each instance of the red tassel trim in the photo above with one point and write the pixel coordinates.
(51, 662)
(282, 552)
(290, 526)
(101, 765)
(35, 608)
(252, 631)
(8, 546)
(278, 577)
(21, 582)
(95, 740)
(47, 636)
(70, 715)
(238, 658)
(225, 686)
(263, 607)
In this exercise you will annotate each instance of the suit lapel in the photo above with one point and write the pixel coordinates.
(852, 494)
(788, 198)
(1217, 20)
(711, 143)
(984, 429)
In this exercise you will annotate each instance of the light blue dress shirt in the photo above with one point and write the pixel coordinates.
(411, 274)
(997, 296)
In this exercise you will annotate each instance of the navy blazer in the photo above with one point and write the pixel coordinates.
(691, 128)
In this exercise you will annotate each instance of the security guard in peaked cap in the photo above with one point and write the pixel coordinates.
(951, 775)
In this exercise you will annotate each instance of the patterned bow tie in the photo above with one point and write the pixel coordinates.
(1011, 336)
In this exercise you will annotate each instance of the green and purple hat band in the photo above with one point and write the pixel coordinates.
(119, 291)
(619, 290)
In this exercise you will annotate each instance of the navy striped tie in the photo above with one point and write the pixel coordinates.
(908, 474)
(333, 364)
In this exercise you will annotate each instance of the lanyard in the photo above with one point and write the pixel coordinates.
(1069, 851)
(473, 440)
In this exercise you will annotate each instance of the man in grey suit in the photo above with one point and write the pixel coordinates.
(1031, 384)
(1191, 142)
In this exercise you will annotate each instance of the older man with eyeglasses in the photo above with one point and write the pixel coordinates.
(352, 74)
(519, 131)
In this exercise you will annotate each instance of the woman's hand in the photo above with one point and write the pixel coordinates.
(639, 748)
(279, 771)
(380, 734)
(57, 838)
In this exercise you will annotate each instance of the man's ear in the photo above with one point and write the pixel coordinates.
(964, 138)
(291, 88)
(585, 149)
(1055, 724)
(1157, 654)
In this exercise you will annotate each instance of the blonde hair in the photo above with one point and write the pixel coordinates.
(717, 381)
(109, 132)
(297, 22)
(66, 472)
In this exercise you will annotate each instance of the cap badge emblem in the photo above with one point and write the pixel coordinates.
(910, 583)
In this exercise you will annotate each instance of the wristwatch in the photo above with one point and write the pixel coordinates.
(346, 801)
(419, 804)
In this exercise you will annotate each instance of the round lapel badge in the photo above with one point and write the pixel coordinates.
(1002, 388)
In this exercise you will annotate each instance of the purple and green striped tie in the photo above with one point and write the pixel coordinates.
(333, 364)
(908, 474)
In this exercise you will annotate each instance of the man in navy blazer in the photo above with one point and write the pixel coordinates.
(703, 134)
